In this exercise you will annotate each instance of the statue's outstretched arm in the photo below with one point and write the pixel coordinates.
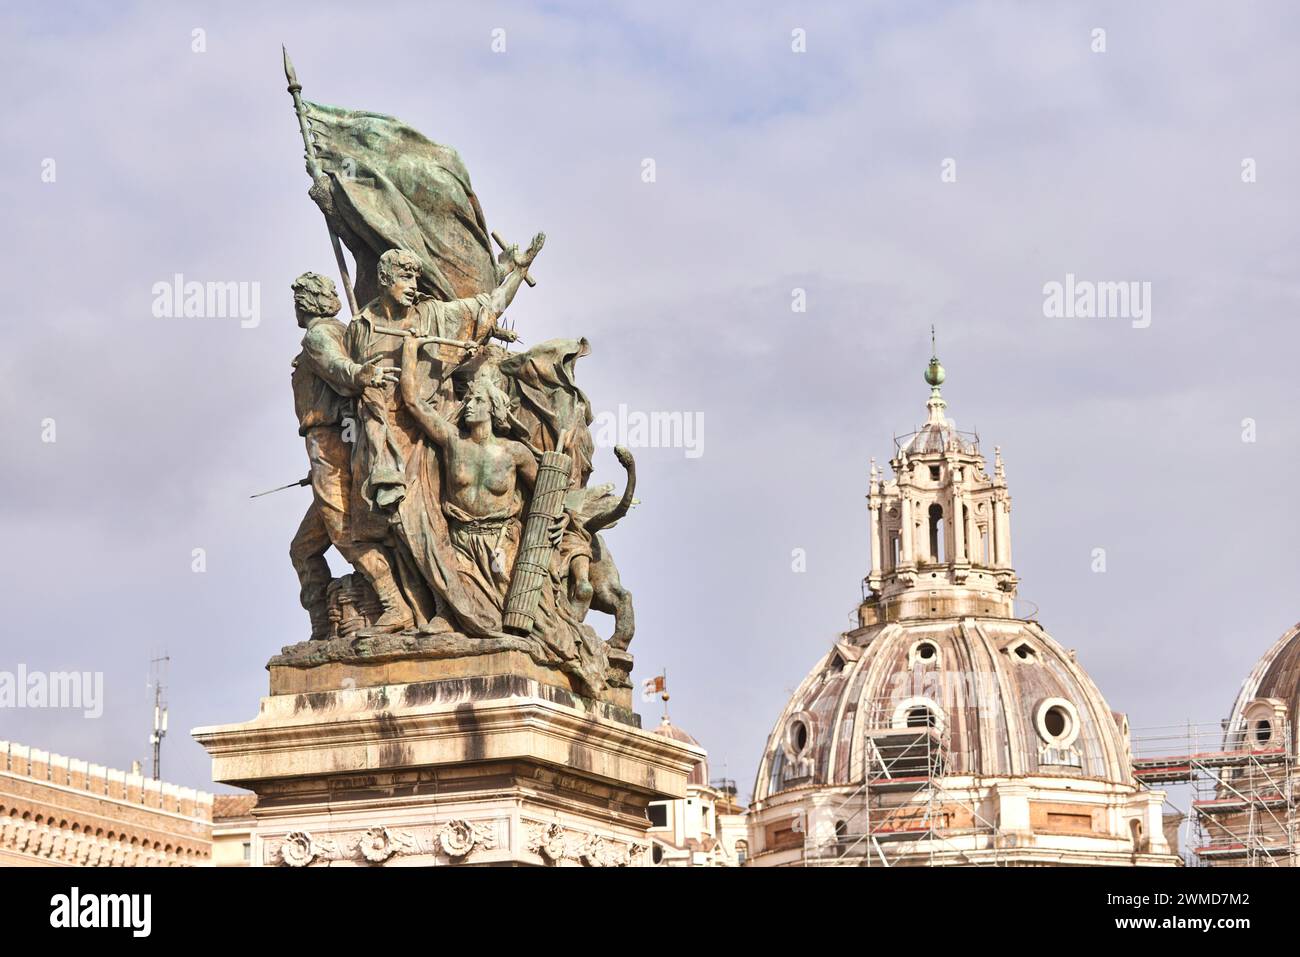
(504, 294)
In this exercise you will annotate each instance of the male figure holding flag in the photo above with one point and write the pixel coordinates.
(375, 335)
(324, 379)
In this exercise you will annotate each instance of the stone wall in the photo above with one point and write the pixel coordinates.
(56, 810)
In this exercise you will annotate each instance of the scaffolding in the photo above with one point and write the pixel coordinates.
(906, 810)
(1244, 801)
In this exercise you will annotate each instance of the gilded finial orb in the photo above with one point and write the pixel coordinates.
(934, 374)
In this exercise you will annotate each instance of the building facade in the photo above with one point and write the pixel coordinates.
(232, 829)
(706, 828)
(60, 811)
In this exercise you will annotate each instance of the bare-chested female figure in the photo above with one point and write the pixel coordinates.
(484, 476)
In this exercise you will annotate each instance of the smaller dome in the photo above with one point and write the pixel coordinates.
(700, 773)
(1275, 678)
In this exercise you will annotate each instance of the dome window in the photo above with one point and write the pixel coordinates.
(1024, 651)
(1057, 722)
(798, 736)
(919, 713)
(1261, 724)
(923, 653)
(1263, 731)
(921, 717)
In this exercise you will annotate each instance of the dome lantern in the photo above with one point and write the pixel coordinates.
(941, 527)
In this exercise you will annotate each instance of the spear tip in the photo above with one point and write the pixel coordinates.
(289, 73)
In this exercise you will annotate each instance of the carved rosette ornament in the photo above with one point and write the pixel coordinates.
(593, 852)
(457, 838)
(548, 841)
(377, 845)
(298, 850)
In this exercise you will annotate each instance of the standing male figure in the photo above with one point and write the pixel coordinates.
(388, 429)
(324, 381)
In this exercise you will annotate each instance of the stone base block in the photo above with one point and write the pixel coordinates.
(407, 658)
(480, 770)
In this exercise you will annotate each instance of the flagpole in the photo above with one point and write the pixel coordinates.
(314, 170)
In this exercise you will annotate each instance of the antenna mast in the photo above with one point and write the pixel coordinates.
(158, 679)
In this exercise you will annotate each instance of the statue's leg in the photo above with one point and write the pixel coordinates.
(609, 596)
(375, 565)
(307, 552)
(624, 620)
(580, 588)
(332, 488)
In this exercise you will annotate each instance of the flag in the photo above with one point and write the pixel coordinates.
(394, 188)
(653, 686)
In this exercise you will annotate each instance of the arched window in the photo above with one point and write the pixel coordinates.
(1135, 832)
(920, 716)
(936, 533)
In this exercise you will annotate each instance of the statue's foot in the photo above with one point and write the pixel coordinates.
(389, 623)
(437, 626)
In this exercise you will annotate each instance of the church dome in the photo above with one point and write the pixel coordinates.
(1268, 703)
(948, 727)
(700, 773)
(1006, 699)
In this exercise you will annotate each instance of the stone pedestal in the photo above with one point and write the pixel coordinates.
(480, 769)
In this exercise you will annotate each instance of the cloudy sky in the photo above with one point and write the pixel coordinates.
(130, 156)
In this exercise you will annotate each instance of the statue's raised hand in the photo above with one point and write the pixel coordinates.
(534, 248)
(321, 193)
(515, 259)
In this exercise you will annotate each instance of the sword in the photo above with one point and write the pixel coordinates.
(302, 481)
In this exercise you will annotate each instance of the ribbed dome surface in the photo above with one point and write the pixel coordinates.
(1004, 698)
